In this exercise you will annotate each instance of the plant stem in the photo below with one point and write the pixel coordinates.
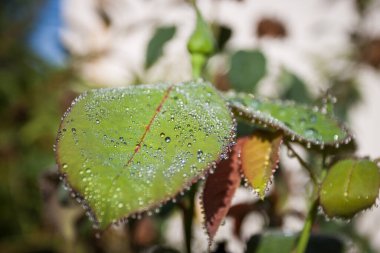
(198, 62)
(305, 234)
(303, 163)
(188, 213)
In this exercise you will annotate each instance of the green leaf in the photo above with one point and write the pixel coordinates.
(349, 187)
(259, 159)
(276, 241)
(299, 122)
(247, 69)
(125, 151)
(157, 43)
(271, 242)
(295, 88)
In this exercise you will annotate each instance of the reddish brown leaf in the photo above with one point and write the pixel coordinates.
(219, 190)
(259, 159)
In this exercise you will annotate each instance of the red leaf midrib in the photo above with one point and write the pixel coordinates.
(147, 128)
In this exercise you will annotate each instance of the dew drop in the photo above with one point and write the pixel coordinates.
(189, 144)
(290, 153)
(167, 139)
(64, 165)
(310, 132)
(302, 120)
(313, 118)
(97, 121)
(162, 135)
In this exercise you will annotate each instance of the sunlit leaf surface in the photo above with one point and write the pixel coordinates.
(259, 159)
(350, 186)
(124, 151)
(299, 122)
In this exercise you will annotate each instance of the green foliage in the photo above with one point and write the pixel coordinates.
(272, 242)
(295, 88)
(38, 215)
(300, 122)
(350, 186)
(347, 92)
(247, 68)
(128, 150)
(157, 43)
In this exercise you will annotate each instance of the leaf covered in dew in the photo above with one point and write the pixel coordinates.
(259, 159)
(349, 187)
(124, 151)
(219, 189)
(299, 122)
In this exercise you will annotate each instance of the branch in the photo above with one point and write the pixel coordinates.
(303, 163)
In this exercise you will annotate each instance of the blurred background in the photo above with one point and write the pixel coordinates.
(52, 50)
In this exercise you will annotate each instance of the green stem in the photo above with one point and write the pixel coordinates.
(324, 168)
(305, 234)
(188, 213)
(303, 163)
(198, 61)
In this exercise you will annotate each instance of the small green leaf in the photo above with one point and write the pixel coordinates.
(275, 241)
(299, 122)
(124, 151)
(295, 88)
(247, 69)
(271, 242)
(157, 43)
(349, 187)
(259, 159)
